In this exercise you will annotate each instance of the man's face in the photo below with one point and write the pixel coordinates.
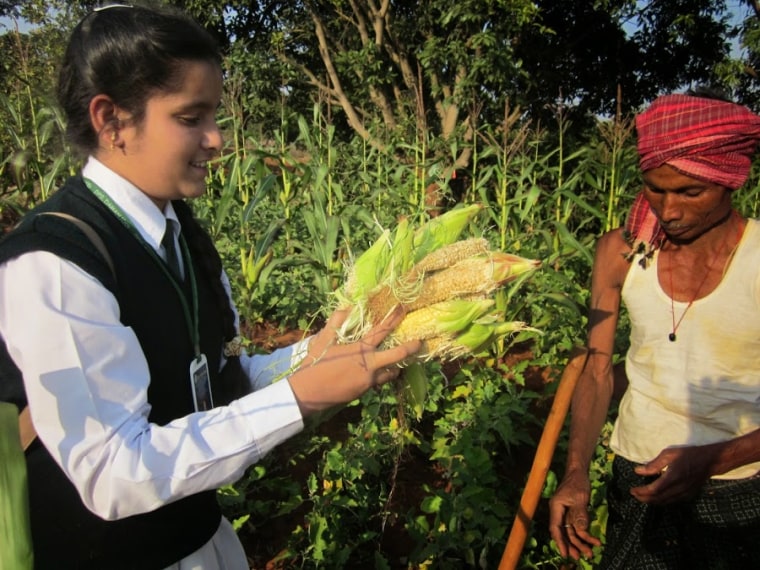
(686, 207)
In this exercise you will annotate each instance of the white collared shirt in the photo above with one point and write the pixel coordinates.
(86, 380)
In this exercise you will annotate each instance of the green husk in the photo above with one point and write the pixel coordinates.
(443, 230)
(368, 268)
(15, 531)
(415, 387)
(443, 280)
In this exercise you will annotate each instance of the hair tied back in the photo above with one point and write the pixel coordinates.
(101, 8)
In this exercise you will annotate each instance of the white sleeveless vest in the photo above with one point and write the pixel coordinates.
(704, 387)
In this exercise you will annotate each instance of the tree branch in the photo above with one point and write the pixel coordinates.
(337, 90)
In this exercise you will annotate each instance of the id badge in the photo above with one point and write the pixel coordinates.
(201, 384)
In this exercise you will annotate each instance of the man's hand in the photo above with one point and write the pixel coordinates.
(680, 472)
(569, 516)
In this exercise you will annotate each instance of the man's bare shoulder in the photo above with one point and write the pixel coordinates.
(612, 251)
(614, 241)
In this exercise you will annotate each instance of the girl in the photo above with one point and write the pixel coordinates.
(142, 404)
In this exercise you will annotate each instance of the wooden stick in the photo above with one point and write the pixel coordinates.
(26, 429)
(542, 459)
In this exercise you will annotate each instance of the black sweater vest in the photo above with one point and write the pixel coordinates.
(65, 533)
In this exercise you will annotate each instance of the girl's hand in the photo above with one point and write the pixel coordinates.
(333, 374)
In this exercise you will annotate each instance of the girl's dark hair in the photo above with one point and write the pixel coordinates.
(710, 92)
(128, 53)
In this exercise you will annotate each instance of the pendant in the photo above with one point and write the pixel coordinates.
(672, 337)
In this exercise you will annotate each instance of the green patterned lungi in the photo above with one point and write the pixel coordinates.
(718, 529)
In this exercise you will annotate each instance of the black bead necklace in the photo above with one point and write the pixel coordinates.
(672, 335)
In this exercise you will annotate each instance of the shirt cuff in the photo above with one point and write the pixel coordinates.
(265, 369)
(272, 415)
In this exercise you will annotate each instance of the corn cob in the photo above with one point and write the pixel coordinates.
(456, 270)
(475, 275)
(407, 288)
(446, 317)
(442, 281)
(471, 341)
(450, 254)
(443, 230)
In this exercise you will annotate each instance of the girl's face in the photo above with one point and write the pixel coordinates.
(167, 153)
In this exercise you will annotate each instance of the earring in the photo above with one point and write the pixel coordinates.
(113, 140)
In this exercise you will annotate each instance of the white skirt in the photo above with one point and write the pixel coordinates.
(222, 552)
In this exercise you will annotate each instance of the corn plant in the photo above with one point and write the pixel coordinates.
(747, 198)
(15, 531)
(619, 172)
(34, 129)
(496, 159)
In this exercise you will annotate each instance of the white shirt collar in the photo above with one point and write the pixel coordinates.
(139, 208)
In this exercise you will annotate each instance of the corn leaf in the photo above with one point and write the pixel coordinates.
(15, 532)
(415, 387)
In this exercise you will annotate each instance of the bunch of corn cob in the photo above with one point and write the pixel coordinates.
(443, 282)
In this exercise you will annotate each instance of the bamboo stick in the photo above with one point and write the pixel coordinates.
(542, 459)
(27, 433)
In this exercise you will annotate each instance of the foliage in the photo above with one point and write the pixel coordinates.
(286, 224)
(652, 30)
(741, 73)
(425, 77)
(32, 148)
(15, 529)
(295, 195)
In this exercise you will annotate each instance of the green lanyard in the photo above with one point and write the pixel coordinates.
(192, 322)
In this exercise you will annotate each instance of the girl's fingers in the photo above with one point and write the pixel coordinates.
(391, 356)
(386, 374)
(336, 320)
(377, 334)
(325, 338)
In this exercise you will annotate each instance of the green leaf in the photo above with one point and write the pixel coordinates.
(431, 505)
(15, 532)
(416, 386)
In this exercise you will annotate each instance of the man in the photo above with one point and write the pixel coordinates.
(685, 491)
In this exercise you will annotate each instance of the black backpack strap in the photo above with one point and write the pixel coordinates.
(91, 234)
(26, 429)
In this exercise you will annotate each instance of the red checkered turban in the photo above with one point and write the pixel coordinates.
(706, 139)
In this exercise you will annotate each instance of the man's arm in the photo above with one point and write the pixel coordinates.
(593, 393)
(569, 520)
(683, 471)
